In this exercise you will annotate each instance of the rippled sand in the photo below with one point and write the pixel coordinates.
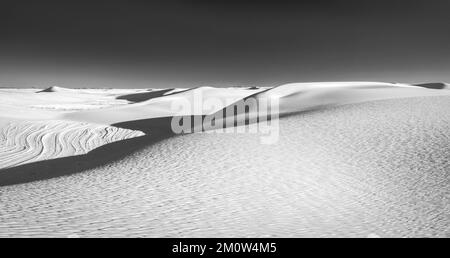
(23, 142)
(377, 168)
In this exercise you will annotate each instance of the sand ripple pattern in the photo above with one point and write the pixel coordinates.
(23, 142)
(379, 168)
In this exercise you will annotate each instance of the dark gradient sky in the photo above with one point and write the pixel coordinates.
(131, 44)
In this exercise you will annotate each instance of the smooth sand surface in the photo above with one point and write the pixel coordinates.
(353, 159)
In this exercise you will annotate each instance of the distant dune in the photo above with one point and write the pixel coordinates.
(56, 89)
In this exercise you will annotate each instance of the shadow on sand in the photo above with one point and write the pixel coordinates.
(156, 129)
(144, 96)
(434, 86)
(140, 97)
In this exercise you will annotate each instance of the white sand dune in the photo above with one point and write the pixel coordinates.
(374, 168)
(297, 97)
(57, 89)
(353, 159)
(165, 106)
(36, 130)
(23, 142)
(300, 97)
(117, 106)
(58, 122)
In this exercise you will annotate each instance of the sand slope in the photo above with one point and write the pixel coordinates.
(165, 106)
(23, 142)
(301, 97)
(374, 168)
(297, 97)
(57, 122)
(353, 159)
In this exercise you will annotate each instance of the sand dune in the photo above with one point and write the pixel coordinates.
(164, 106)
(299, 97)
(23, 142)
(353, 159)
(374, 168)
(62, 122)
(117, 106)
(292, 98)
(32, 105)
(56, 89)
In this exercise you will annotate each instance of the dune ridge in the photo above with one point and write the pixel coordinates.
(297, 97)
(302, 97)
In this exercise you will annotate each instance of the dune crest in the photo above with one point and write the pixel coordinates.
(56, 89)
(301, 97)
(298, 97)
